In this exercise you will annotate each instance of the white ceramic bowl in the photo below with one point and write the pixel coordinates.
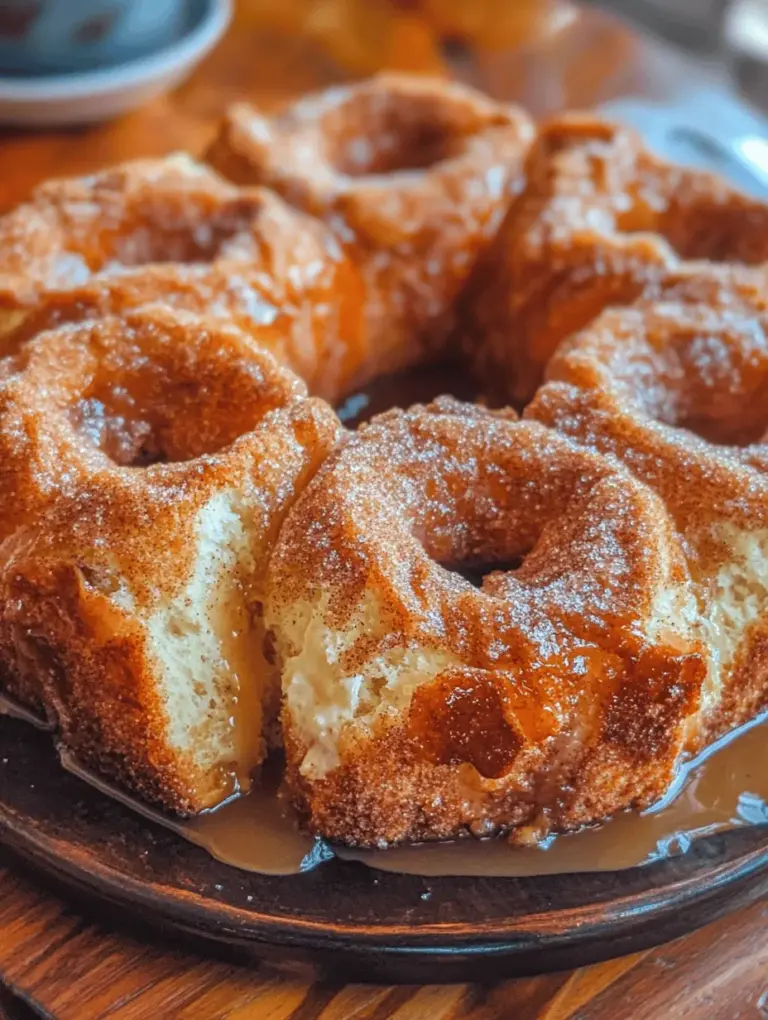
(90, 96)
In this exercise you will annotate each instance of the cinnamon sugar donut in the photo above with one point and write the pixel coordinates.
(600, 220)
(146, 463)
(412, 174)
(300, 326)
(677, 387)
(173, 230)
(417, 706)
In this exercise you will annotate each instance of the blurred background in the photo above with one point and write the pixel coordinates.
(179, 62)
(544, 52)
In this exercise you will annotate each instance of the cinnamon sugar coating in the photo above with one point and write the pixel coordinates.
(676, 386)
(413, 175)
(172, 230)
(417, 706)
(155, 448)
(600, 220)
(171, 210)
(146, 464)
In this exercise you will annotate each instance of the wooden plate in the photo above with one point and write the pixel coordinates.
(342, 918)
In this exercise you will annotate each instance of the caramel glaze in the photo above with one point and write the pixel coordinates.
(724, 788)
(721, 789)
(256, 832)
(676, 387)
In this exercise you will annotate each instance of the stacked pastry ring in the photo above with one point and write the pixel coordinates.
(147, 462)
(411, 175)
(600, 220)
(417, 706)
(676, 386)
(173, 230)
(186, 533)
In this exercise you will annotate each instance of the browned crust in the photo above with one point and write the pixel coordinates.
(600, 220)
(746, 694)
(387, 791)
(142, 212)
(96, 684)
(190, 240)
(370, 284)
(676, 386)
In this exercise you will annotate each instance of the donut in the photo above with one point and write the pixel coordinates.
(298, 325)
(172, 230)
(412, 174)
(455, 621)
(419, 706)
(146, 463)
(600, 219)
(676, 386)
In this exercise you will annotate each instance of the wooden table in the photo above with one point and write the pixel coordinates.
(74, 969)
(78, 970)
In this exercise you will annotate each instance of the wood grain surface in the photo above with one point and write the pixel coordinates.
(71, 967)
(75, 969)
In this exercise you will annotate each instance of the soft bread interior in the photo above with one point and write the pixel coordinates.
(208, 644)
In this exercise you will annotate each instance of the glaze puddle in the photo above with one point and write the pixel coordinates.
(725, 787)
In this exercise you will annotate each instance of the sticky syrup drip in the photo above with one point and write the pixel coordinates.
(724, 788)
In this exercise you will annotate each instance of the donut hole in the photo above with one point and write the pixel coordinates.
(419, 385)
(128, 440)
(418, 148)
(697, 218)
(173, 399)
(480, 539)
(391, 133)
(709, 381)
(192, 233)
(151, 418)
(476, 573)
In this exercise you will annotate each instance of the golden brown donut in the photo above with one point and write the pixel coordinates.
(599, 221)
(146, 463)
(299, 326)
(173, 230)
(418, 706)
(412, 174)
(677, 387)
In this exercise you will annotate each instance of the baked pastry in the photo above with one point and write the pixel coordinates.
(677, 388)
(412, 174)
(173, 230)
(600, 220)
(146, 463)
(299, 326)
(417, 706)
(186, 537)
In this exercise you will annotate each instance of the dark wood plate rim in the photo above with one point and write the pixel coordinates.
(622, 917)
